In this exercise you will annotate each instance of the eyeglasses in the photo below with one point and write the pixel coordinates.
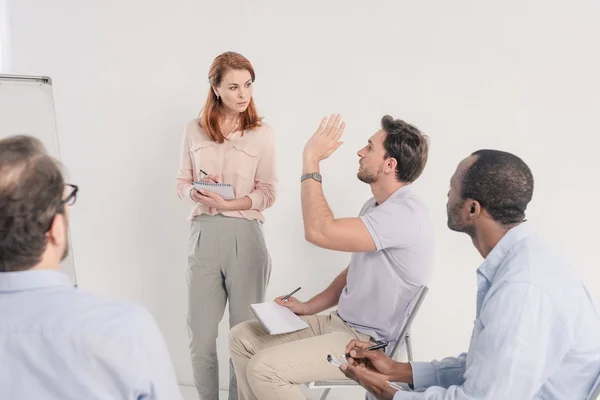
(69, 201)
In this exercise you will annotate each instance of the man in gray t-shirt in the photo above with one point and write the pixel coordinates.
(392, 256)
(381, 284)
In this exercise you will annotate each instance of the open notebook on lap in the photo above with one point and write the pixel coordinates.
(277, 319)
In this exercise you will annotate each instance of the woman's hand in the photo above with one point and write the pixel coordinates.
(207, 198)
(211, 179)
(210, 199)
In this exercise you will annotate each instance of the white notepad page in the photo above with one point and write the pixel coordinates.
(277, 319)
(225, 190)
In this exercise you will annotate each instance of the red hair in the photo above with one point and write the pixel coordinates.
(212, 113)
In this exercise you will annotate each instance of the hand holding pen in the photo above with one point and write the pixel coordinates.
(205, 177)
(286, 298)
(208, 199)
(377, 346)
(358, 352)
(296, 306)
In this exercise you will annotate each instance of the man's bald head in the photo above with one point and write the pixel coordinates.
(31, 190)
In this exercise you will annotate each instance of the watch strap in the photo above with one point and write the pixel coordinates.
(313, 175)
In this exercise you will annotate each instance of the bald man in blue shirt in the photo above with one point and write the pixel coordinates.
(58, 342)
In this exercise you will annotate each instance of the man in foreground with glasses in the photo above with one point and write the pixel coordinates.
(57, 341)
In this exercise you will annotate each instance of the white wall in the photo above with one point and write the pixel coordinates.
(4, 36)
(513, 75)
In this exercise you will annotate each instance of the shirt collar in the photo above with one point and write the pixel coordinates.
(492, 262)
(402, 190)
(398, 193)
(32, 279)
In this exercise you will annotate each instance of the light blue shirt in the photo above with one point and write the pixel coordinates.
(58, 342)
(536, 336)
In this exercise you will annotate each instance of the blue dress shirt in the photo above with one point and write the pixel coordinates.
(58, 342)
(536, 336)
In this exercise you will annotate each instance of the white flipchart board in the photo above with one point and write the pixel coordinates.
(27, 107)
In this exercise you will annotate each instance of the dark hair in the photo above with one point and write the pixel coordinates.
(31, 190)
(501, 182)
(407, 145)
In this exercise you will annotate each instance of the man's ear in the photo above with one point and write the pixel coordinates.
(474, 209)
(56, 234)
(392, 163)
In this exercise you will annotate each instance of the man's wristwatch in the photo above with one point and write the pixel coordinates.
(313, 175)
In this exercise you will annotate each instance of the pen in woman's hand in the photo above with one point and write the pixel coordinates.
(215, 178)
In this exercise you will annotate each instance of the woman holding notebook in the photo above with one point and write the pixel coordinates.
(228, 150)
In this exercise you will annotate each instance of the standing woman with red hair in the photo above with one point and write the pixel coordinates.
(227, 258)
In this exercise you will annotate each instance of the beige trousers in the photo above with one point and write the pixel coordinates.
(227, 262)
(270, 367)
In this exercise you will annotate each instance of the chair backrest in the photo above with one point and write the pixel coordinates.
(414, 306)
(595, 393)
(413, 309)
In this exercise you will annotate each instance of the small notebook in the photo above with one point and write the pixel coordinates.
(277, 319)
(225, 190)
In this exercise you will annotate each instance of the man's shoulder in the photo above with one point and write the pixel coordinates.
(533, 260)
(85, 311)
(408, 203)
(409, 199)
(533, 253)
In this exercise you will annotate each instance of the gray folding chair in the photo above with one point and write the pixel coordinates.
(595, 393)
(404, 336)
